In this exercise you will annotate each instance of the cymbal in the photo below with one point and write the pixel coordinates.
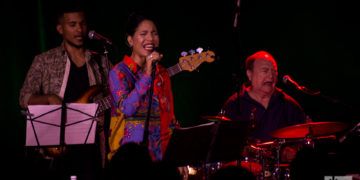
(266, 143)
(314, 129)
(216, 118)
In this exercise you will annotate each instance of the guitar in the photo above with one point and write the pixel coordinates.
(87, 97)
(186, 63)
(191, 62)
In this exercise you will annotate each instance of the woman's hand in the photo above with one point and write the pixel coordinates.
(151, 61)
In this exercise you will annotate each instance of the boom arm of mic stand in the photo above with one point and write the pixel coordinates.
(352, 130)
(308, 91)
(335, 101)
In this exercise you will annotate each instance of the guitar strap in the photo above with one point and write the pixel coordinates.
(103, 80)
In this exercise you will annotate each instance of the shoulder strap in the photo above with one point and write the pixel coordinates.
(97, 59)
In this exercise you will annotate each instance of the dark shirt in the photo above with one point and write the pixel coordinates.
(282, 111)
(77, 84)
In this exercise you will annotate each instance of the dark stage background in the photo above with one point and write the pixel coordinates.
(316, 42)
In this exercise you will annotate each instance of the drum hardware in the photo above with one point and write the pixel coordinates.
(216, 118)
(268, 156)
(277, 170)
(306, 134)
(309, 141)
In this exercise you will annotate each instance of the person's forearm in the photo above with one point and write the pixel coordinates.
(44, 99)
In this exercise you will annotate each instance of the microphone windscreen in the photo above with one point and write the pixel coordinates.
(91, 34)
(285, 78)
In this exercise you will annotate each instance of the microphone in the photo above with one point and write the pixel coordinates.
(288, 80)
(154, 65)
(156, 48)
(94, 35)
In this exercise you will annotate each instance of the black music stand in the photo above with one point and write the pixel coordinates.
(46, 125)
(207, 143)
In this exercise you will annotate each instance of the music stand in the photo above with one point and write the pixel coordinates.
(206, 143)
(46, 126)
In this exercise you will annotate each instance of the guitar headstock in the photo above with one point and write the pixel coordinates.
(193, 61)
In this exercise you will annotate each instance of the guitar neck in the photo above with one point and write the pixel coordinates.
(174, 69)
(104, 104)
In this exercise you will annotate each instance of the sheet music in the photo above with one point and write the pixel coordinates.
(47, 125)
(45, 121)
(78, 123)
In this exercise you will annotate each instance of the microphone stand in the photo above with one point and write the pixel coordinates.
(105, 91)
(351, 131)
(333, 100)
(236, 15)
(151, 92)
(106, 53)
(336, 101)
(316, 93)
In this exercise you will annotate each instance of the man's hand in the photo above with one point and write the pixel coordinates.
(54, 99)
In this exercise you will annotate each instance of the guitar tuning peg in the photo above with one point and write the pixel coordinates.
(184, 53)
(192, 51)
(199, 50)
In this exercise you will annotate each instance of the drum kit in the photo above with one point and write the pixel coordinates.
(265, 159)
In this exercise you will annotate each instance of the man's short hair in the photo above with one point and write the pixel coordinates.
(249, 62)
(69, 6)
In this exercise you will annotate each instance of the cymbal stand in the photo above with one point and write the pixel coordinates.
(277, 172)
(353, 130)
(309, 139)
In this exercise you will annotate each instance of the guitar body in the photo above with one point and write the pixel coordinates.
(89, 94)
(53, 152)
(56, 151)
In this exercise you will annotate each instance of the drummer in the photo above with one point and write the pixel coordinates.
(259, 102)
